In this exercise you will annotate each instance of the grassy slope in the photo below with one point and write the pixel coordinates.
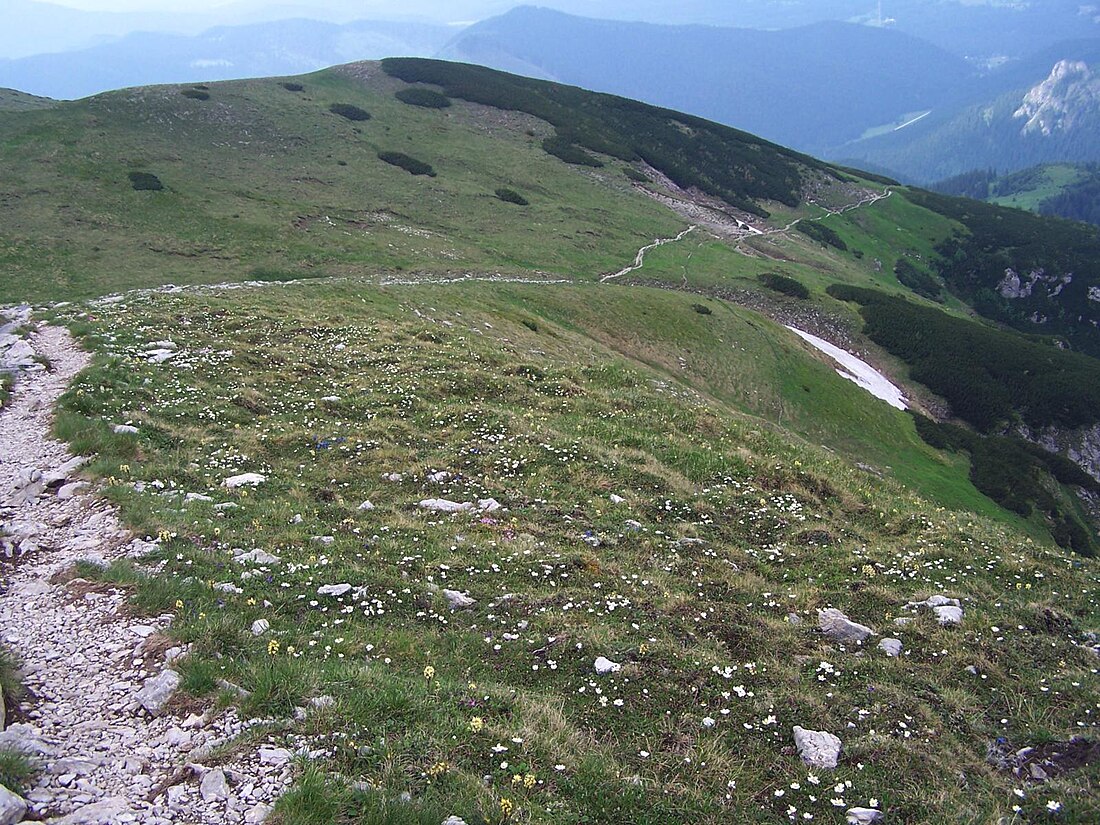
(504, 388)
(1042, 183)
(15, 101)
(241, 168)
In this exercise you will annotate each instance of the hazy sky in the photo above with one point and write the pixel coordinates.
(141, 5)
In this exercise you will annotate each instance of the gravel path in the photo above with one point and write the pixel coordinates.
(105, 757)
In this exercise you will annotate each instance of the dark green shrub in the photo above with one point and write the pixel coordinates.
(822, 234)
(566, 150)
(918, 280)
(787, 286)
(409, 164)
(701, 309)
(196, 94)
(293, 87)
(511, 196)
(347, 110)
(427, 98)
(735, 166)
(635, 175)
(145, 182)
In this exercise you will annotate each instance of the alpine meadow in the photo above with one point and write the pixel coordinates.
(412, 442)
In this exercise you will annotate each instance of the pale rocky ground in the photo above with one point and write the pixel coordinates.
(105, 757)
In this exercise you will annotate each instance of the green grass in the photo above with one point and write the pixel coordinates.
(17, 769)
(259, 178)
(550, 399)
(1040, 184)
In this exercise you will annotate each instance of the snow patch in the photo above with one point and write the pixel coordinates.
(857, 370)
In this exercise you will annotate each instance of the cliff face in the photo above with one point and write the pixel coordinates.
(1060, 102)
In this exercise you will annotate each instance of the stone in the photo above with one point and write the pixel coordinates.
(124, 429)
(891, 647)
(794, 619)
(251, 479)
(260, 627)
(214, 786)
(442, 505)
(366, 505)
(12, 807)
(273, 756)
(616, 499)
(257, 557)
(67, 491)
(818, 749)
(453, 820)
(257, 814)
(156, 692)
(604, 666)
(334, 589)
(25, 738)
(864, 816)
(948, 614)
(488, 505)
(457, 600)
(838, 627)
(104, 812)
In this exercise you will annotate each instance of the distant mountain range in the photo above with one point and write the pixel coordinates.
(871, 97)
(223, 53)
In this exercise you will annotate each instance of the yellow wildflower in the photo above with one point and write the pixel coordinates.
(429, 672)
(529, 781)
(476, 724)
(506, 806)
(272, 647)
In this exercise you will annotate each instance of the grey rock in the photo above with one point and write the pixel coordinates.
(257, 557)
(156, 692)
(366, 505)
(891, 647)
(124, 429)
(104, 812)
(260, 627)
(817, 748)
(69, 490)
(442, 505)
(12, 807)
(257, 814)
(214, 786)
(457, 600)
(274, 756)
(333, 589)
(604, 666)
(948, 614)
(794, 619)
(24, 738)
(250, 479)
(864, 816)
(838, 627)
(453, 820)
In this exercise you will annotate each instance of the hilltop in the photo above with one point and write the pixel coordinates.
(470, 458)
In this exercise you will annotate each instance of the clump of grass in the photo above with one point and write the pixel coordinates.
(10, 679)
(409, 164)
(349, 112)
(511, 196)
(702, 309)
(17, 770)
(426, 98)
(785, 285)
(145, 182)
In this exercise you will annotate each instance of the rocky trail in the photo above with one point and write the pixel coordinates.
(100, 720)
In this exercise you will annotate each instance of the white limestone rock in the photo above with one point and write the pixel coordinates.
(250, 479)
(156, 692)
(838, 627)
(12, 807)
(604, 666)
(818, 749)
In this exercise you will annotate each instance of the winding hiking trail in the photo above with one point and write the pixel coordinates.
(639, 259)
(91, 669)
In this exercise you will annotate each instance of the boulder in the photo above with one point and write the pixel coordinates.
(124, 429)
(214, 786)
(864, 816)
(838, 627)
(156, 692)
(334, 589)
(891, 647)
(104, 812)
(12, 807)
(818, 749)
(260, 627)
(274, 756)
(604, 666)
(442, 505)
(457, 600)
(251, 479)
